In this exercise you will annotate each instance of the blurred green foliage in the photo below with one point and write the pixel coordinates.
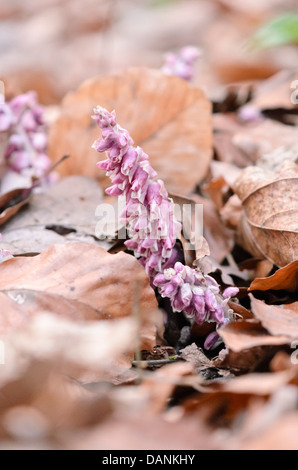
(161, 2)
(281, 30)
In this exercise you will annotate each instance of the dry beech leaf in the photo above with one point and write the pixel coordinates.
(37, 394)
(285, 278)
(271, 206)
(154, 431)
(79, 281)
(165, 116)
(245, 360)
(163, 382)
(39, 401)
(246, 334)
(62, 213)
(76, 346)
(278, 320)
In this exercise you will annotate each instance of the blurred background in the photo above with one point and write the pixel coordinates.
(51, 46)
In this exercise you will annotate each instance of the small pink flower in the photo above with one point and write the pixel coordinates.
(182, 63)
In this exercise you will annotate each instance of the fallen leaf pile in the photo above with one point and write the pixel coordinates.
(91, 356)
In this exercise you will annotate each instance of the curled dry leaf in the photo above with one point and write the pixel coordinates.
(79, 281)
(270, 204)
(246, 334)
(285, 278)
(260, 384)
(165, 116)
(11, 202)
(278, 320)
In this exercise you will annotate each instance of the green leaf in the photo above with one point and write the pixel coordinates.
(158, 3)
(281, 30)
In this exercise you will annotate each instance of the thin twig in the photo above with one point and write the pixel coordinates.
(154, 362)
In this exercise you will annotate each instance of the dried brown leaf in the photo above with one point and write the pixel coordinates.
(246, 334)
(285, 278)
(278, 320)
(271, 206)
(67, 344)
(78, 281)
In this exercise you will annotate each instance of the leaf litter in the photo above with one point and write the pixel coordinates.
(93, 358)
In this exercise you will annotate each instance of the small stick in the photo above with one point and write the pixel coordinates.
(154, 362)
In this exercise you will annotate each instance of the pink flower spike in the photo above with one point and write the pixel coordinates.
(26, 152)
(148, 216)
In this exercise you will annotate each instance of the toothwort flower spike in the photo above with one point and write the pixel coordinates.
(22, 118)
(182, 64)
(197, 295)
(148, 213)
(152, 229)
